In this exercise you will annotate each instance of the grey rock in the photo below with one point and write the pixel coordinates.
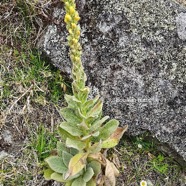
(181, 25)
(3, 154)
(134, 58)
(7, 137)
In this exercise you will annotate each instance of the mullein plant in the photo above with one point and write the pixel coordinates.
(86, 135)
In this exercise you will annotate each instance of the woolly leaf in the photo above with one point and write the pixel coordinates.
(79, 182)
(95, 134)
(47, 174)
(90, 135)
(108, 129)
(60, 148)
(74, 176)
(64, 134)
(109, 143)
(73, 130)
(90, 103)
(80, 113)
(98, 123)
(96, 166)
(113, 140)
(95, 147)
(75, 144)
(68, 184)
(76, 164)
(83, 126)
(70, 116)
(73, 151)
(66, 158)
(88, 174)
(72, 101)
(83, 94)
(91, 183)
(96, 110)
(91, 120)
(86, 137)
(57, 177)
(56, 164)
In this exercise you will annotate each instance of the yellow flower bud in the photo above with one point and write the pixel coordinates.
(78, 33)
(71, 10)
(70, 31)
(72, 57)
(76, 17)
(77, 59)
(67, 4)
(73, 26)
(68, 18)
(75, 41)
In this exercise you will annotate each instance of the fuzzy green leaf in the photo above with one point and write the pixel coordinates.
(108, 129)
(75, 144)
(97, 124)
(96, 166)
(73, 130)
(76, 164)
(96, 110)
(66, 158)
(90, 135)
(86, 137)
(91, 183)
(60, 148)
(95, 134)
(64, 134)
(58, 177)
(75, 88)
(80, 113)
(83, 94)
(74, 176)
(68, 183)
(90, 103)
(72, 101)
(88, 174)
(109, 143)
(96, 147)
(73, 151)
(47, 174)
(79, 182)
(113, 140)
(56, 164)
(91, 120)
(70, 116)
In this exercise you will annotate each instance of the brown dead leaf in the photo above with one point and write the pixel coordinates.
(110, 174)
(99, 157)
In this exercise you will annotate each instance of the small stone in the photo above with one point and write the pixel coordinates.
(181, 25)
(3, 154)
(7, 136)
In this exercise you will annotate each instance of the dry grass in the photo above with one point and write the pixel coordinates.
(183, 2)
(30, 96)
(29, 91)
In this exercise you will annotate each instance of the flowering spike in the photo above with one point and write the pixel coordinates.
(71, 20)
